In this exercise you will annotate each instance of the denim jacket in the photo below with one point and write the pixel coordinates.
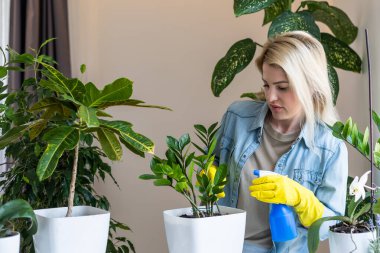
(321, 166)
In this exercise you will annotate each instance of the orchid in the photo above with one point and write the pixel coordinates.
(357, 186)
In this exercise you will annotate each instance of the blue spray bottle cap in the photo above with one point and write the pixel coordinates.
(281, 219)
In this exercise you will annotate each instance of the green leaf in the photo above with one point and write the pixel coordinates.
(83, 68)
(334, 82)
(212, 128)
(51, 86)
(376, 207)
(88, 115)
(237, 58)
(289, 21)
(242, 7)
(183, 141)
(45, 43)
(100, 113)
(91, 94)
(365, 140)
(37, 128)
(162, 182)
(12, 135)
(347, 128)
(52, 106)
(59, 139)
(313, 232)
(3, 72)
(135, 103)
(118, 91)
(149, 177)
(16, 209)
(339, 54)
(135, 141)
(336, 19)
(72, 87)
(363, 210)
(110, 144)
(250, 95)
(138, 141)
(275, 9)
(354, 135)
(201, 129)
(172, 143)
(376, 119)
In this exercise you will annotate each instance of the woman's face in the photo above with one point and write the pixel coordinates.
(281, 99)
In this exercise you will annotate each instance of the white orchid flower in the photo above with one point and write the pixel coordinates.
(357, 186)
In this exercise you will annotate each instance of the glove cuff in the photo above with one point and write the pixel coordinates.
(309, 209)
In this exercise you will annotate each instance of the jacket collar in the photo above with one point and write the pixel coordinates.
(258, 123)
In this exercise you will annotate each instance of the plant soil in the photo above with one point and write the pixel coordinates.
(348, 229)
(192, 216)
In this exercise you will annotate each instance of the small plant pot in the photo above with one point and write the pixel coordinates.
(222, 234)
(85, 231)
(343, 242)
(10, 244)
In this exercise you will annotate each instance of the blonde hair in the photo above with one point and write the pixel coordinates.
(303, 59)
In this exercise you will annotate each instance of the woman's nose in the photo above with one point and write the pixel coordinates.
(271, 94)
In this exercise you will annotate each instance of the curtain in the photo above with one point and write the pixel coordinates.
(31, 23)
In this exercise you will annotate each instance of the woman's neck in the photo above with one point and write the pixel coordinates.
(287, 126)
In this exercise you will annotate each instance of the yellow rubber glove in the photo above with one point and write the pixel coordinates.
(280, 189)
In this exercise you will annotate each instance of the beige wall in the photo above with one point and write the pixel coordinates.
(169, 49)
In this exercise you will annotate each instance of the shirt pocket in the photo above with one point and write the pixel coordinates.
(308, 178)
(226, 147)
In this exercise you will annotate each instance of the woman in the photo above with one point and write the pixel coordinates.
(287, 134)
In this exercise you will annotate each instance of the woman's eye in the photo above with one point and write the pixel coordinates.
(265, 86)
(282, 88)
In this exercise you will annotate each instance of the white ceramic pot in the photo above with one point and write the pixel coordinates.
(10, 244)
(85, 232)
(342, 242)
(222, 234)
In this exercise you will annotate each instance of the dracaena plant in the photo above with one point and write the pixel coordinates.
(68, 110)
(283, 16)
(15, 210)
(178, 168)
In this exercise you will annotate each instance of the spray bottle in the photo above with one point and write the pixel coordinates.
(281, 218)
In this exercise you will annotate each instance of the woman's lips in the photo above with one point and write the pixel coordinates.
(276, 108)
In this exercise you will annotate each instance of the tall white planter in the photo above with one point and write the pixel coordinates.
(10, 244)
(341, 242)
(85, 232)
(222, 234)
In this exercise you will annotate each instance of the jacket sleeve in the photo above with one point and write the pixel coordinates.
(332, 191)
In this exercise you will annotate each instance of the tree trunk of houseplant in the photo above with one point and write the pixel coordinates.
(73, 180)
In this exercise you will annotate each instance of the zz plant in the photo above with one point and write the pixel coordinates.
(177, 170)
(283, 16)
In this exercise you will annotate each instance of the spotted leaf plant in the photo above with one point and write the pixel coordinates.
(289, 15)
(186, 172)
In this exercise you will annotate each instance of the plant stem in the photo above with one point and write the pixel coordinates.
(72, 184)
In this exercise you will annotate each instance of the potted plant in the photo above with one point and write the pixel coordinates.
(283, 16)
(66, 113)
(201, 229)
(9, 212)
(354, 232)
